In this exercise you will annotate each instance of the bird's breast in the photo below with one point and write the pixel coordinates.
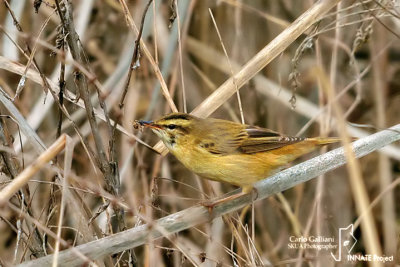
(237, 169)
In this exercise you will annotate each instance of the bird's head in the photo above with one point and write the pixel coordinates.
(171, 127)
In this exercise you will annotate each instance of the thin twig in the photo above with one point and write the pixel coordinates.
(7, 192)
(69, 151)
(180, 55)
(61, 84)
(28, 48)
(388, 28)
(150, 58)
(135, 62)
(230, 67)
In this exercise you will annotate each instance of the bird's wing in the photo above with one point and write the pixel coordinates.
(260, 140)
(222, 142)
(247, 140)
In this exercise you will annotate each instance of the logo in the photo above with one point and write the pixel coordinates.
(346, 240)
(344, 246)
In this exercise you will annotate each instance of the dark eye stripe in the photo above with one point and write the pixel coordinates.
(176, 127)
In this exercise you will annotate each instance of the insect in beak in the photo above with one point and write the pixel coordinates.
(150, 124)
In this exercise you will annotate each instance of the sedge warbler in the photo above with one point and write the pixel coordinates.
(230, 152)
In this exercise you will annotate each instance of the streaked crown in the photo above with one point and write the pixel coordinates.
(176, 121)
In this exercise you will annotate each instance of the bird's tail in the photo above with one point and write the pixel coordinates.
(327, 140)
(291, 152)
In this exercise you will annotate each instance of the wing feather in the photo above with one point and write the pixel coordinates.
(261, 140)
(247, 140)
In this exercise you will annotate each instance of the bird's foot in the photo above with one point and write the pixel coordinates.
(210, 204)
(254, 194)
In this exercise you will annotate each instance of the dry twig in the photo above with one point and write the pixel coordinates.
(27, 174)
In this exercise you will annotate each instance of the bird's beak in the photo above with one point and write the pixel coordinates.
(150, 124)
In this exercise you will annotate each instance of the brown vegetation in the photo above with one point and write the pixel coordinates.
(74, 75)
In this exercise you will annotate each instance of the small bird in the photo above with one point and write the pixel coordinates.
(230, 152)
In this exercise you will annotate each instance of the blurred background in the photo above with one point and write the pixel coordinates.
(356, 44)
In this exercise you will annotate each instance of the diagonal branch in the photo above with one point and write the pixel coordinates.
(196, 215)
(7, 192)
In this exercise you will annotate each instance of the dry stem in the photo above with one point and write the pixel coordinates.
(31, 170)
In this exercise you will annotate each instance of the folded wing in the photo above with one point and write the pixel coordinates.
(246, 140)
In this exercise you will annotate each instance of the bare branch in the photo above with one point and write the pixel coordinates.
(135, 62)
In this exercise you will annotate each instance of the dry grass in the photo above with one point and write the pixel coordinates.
(107, 180)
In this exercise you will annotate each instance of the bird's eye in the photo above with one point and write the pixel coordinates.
(171, 126)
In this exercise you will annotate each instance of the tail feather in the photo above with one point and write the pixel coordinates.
(328, 140)
(291, 152)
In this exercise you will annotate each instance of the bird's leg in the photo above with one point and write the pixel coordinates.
(212, 203)
(245, 190)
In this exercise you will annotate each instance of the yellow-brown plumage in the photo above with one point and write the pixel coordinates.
(229, 152)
